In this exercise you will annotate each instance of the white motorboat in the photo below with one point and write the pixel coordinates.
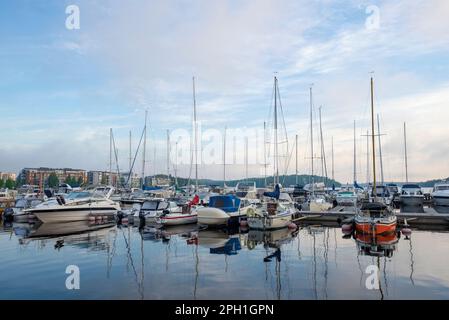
(153, 208)
(183, 214)
(319, 203)
(76, 206)
(440, 194)
(275, 213)
(224, 210)
(412, 195)
(17, 212)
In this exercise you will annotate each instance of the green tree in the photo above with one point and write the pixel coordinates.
(80, 181)
(1, 183)
(53, 181)
(104, 179)
(10, 184)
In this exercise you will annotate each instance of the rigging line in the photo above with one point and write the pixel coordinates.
(116, 160)
(135, 155)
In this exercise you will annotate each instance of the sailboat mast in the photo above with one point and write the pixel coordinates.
(110, 156)
(176, 164)
(196, 136)
(265, 151)
(276, 179)
(405, 153)
(168, 155)
(246, 158)
(224, 158)
(355, 154)
(333, 177)
(372, 139)
(130, 159)
(311, 139)
(296, 159)
(368, 178)
(380, 152)
(323, 153)
(144, 148)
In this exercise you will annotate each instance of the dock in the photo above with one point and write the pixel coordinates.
(429, 218)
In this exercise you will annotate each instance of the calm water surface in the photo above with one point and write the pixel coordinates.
(119, 262)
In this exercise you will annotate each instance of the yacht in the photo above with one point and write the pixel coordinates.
(76, 206)
(224, 210)
(440, 194)
(412, 195)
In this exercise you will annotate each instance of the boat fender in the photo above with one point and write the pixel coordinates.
(406, 231)
(292, 226)
(243, 223)
(346, 228)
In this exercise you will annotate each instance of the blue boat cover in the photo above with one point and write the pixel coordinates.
(227, 203)
(356, 185)
(275, 194)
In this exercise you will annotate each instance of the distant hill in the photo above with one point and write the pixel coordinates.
(285, 180)
(431, 183)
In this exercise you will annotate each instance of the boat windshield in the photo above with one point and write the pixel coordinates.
(154, 205)
(441, 188)
(245, 186)
(21, 203)
(78, 195)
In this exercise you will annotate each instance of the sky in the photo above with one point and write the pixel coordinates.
(62, 89)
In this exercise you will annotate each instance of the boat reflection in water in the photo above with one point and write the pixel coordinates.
(220, 241)
(376, 245)
(76, 233)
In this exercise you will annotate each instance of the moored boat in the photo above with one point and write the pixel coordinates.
(440, 194)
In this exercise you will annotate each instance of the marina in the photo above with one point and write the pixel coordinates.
(224, 150)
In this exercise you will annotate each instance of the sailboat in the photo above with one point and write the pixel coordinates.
(317, 202)
(277, 211)
(374, 217)
(184, 213)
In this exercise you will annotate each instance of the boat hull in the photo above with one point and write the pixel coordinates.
(375, 227)
(212, 216)
(269, 222)
(412, 201)
(51, 216)
(177, 219)
(441, 200)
